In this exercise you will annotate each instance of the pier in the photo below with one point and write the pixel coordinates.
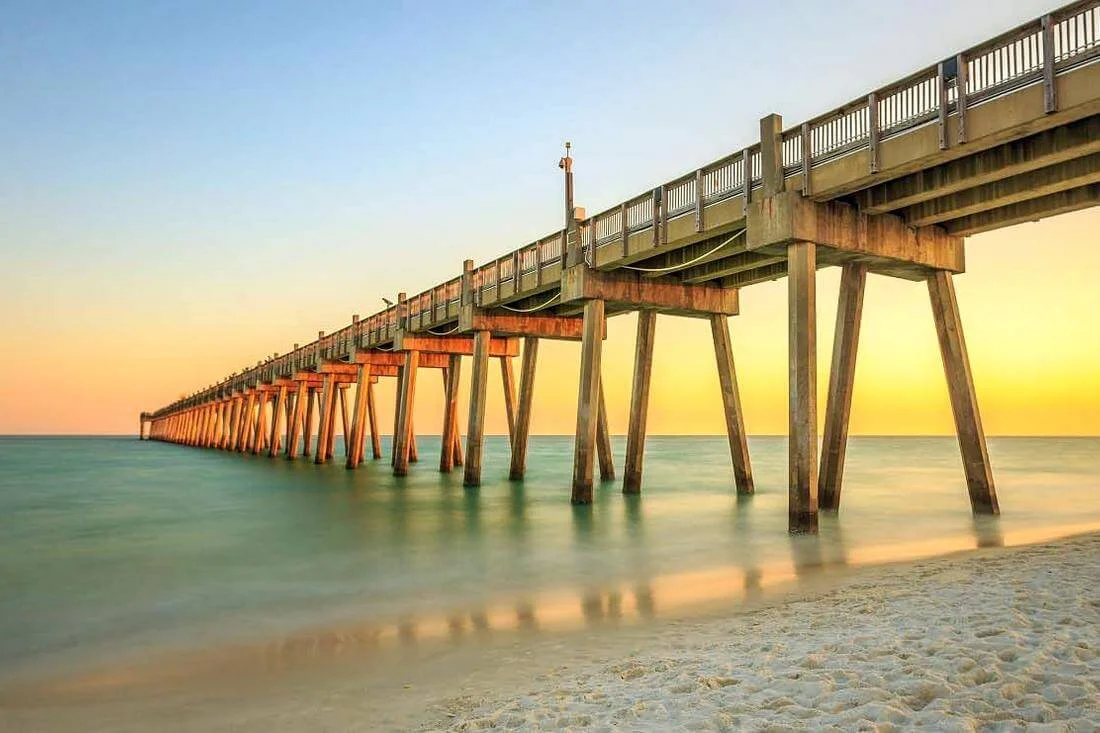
(890, 184)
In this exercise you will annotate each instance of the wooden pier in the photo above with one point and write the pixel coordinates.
(888, 185)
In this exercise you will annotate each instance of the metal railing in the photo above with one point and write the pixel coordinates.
(1032, 53)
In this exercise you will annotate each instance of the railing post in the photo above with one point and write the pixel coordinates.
(807, 159)
(941, 92)
(466, 297)
(961, 78)
(1050, 97)
(872, 124)
(699, 200)
(771, 154)
(656, 215)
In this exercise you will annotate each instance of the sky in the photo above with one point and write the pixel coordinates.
(187, 187)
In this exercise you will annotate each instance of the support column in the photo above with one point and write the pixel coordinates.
(731, 405)
(508, 380)
(639, 402)
(802, 356)
(345, 429)
(588, 401)
(450, 412)
(475, 432)
(403, 431)
(375, 438)
(246, 423)
(523, 415)
(307, 428)
(261, 424)
(838, 405)
(964, 402)
(324, 411)
(603, 441)
(301, 397)
(359, 415)
(277, 421)
(332, 420)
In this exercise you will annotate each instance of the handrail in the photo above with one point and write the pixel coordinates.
(1012, 59)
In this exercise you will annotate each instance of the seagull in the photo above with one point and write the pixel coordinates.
(388, 302)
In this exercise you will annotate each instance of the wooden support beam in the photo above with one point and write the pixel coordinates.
(508, 381)
(276, 422)
(307, 429)
(523, 415)
(627, 289)
(336, 389)
(838, 406)
(324, 424)
(536, 325)
(475, 432)
(731, 406)
(639, 402)
(414, 450)
(802, 387)
(1026, 211)
(450, 414)
(603, 441)
(588, 402)
(964, 402)
(403, 429)
(725, 266)
(359, 416)
(345, 427)
(457, 344)
(372, 415)
(301, 397)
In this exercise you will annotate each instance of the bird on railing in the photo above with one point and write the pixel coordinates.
(388, 302)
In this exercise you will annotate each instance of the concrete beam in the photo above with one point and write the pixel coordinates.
(537, 325)
(731, 265)
(629, 289)
(1024, 211)
(462, 345)
(1075, 140)
(397, 358)
(777, 221)
(1042, 182)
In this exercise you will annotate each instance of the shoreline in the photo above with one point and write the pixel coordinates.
(461, 686)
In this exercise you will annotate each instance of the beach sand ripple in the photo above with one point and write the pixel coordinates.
(994, 641)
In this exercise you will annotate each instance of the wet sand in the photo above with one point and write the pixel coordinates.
(998, 636)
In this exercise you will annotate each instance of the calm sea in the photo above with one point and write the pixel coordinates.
(114, 550)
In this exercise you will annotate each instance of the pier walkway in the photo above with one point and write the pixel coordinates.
(888, 184)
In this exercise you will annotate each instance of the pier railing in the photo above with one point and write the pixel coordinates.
(1033, 53)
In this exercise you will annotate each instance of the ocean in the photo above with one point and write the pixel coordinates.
(115, 552)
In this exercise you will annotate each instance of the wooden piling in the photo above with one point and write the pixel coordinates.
(838, 405)
(307, 427)
(603, 441)
(731, 405)
(964, 401)
(277, 421)
(588, 401)
(301, 397)
(337, 389)
(639, 402)
(450, 412)
(508, 381)
(324, 423)
(372, 415)
(359, 415)
(476, 428)
(403, 431)
(345, 428)
(522, 428)
(802, 356)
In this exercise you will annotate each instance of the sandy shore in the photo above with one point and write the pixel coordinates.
(997, 639)
(1003, 640)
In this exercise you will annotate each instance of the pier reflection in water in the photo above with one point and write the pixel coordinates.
(124, 555)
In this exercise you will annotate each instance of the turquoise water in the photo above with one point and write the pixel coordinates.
(113, 550)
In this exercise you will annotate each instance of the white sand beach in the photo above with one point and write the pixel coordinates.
(992, 639)
(999, 639)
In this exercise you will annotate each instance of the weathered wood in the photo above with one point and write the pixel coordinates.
(731, 406)
(276, 422)
(522, 432)
(398, 400)
(325, 409)
(359, 414)
(450, 413)
(639, 402)
(329, 446)
(372, 415)
(307, 428)
(300, 399)
(414, 450)
(842, 372)
(802, 387)
(603, 440)
(403, 430)
(588, 402)
(344, 427)
(475, 431)
(508, 381)
(539, 325)
(458, 344)
(960, 387)
(246, 423)
(626, 289)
